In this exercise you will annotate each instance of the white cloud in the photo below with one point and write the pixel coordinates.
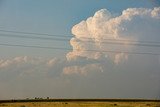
(17, 61)
(82, 70)
(133, 24)
(24, 66)
(104, 70)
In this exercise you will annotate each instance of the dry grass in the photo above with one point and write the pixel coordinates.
(81, 104)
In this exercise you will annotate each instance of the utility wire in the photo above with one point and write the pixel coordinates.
(33, 37)
(59, 48)
(61, 39)
(69, 36)
(32, 33)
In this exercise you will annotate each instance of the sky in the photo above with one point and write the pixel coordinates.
(106, 49)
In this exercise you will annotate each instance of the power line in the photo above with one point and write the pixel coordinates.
(33, 37)
(59, 48)
(61, 39)
(32, 33)
(70, 35)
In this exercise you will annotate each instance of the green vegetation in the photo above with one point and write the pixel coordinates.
(81, 104)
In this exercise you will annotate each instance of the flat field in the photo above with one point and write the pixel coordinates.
(80, 104)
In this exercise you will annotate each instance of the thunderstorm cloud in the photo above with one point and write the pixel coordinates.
(90, 69)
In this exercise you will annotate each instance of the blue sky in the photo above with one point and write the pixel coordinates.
(57, 16)
(79, 73)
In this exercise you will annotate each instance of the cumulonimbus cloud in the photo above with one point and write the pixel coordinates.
(133, 24)
(91, 34)
(110, 70)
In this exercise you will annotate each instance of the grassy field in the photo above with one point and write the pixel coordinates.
(81, 104)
